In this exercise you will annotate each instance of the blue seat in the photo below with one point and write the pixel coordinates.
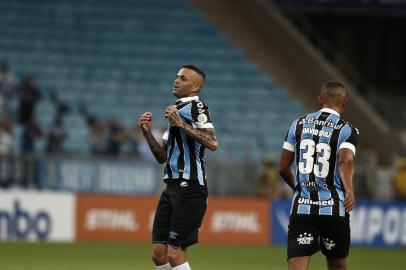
(119, 60)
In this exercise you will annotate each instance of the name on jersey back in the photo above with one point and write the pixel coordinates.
(317, 132)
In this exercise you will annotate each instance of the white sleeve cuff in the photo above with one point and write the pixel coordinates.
(288, 146)
(199, 125)
(166, 135)
(348, 146)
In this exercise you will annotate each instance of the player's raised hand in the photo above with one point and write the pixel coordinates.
(145, 122)
(349, 200)
(172, 114)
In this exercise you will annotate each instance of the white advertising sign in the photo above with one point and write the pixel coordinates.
(37, 216)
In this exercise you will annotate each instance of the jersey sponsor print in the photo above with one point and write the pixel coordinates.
(185, 156)
(316, 139)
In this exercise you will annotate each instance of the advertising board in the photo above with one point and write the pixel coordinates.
(372, 223)
(34, 216)
(236, 221)
(115, 218)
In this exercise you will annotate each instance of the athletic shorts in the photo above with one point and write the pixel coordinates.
(308, 234)
(179, 214)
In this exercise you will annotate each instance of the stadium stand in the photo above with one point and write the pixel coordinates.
(118, 58)
(278, 47)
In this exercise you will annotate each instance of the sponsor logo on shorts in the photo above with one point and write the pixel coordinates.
(328, 243)
(184, 184)
(321, 203)
(305, 239)
(172, 234)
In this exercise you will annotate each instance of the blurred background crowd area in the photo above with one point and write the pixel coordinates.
(76, 75)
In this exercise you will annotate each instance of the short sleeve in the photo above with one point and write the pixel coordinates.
(165, 137)
(349, 138)
(290, 138)
(198, 115)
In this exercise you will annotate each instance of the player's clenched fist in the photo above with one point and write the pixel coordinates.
(171, 113)
(145, 121)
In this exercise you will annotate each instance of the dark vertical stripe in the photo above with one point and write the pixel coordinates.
(171, 144)
(314, 194)
(353, 138)
(192, 155)
(181, 161)
(202, 163)
(298, 136)
(194, 111)
(330, 176)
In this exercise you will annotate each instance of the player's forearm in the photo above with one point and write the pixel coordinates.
(346, 169)
(157, 150)
(207, 139)
(284, 167)
(288, 177)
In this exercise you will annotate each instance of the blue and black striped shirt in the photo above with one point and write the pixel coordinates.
(185, 156)
(316, 139)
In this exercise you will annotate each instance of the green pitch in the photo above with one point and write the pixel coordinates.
(108, 256)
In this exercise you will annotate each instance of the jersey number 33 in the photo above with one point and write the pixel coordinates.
(310, 163)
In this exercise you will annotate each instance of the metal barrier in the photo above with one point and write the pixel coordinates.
(138, 177)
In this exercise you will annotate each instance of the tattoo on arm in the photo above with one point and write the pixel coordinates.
(156, 149)
(206, 137)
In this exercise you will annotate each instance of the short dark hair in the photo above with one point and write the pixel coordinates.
(196, 69)
(333, 92)
(333, 85)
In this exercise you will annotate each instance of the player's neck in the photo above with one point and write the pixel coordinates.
(185, 96)
(332, 107)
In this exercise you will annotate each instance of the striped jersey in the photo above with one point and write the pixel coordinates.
(185, 156)
(315, 139)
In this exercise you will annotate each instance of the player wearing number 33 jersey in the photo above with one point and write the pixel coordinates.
(316, 139)
(321, 147)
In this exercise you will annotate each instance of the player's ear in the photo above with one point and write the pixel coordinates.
(320, 99)
(345, 103)
(196, 88)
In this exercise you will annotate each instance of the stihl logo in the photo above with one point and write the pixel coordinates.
(231, 221)
(110, 219)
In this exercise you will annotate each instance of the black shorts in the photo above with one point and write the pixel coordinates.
(179, 214)
(310, 233)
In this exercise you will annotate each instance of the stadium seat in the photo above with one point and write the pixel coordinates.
(119, 60)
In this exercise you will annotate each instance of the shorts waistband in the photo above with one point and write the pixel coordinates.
(182, 182)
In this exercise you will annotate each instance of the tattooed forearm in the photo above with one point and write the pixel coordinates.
(156, 149)
(206, 137)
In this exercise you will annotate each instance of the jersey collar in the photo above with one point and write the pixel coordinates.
(187, 99)
(328, 110)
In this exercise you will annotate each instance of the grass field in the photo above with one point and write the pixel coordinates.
(103, 256)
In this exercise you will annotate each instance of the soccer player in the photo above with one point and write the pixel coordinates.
(322, 147)
(183, 203)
